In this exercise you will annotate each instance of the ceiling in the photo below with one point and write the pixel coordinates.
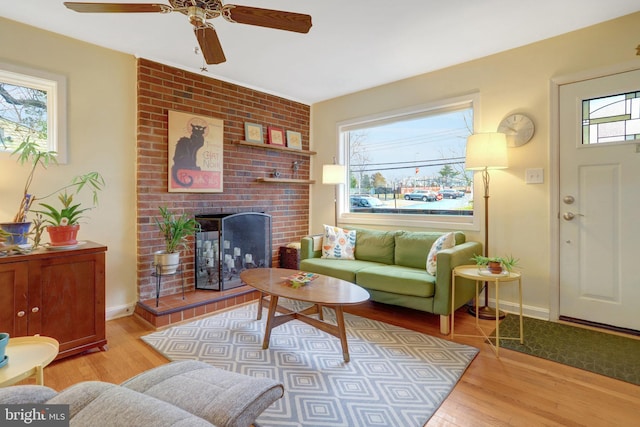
(352, 45)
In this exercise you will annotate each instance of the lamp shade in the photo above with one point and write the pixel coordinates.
(486, 150)
(333, 174)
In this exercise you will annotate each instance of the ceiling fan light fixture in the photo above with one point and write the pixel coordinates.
(197, 16)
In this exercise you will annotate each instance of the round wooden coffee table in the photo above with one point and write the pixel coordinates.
(323, 291)
(27, 357)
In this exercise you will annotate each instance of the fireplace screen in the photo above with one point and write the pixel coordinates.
(229, 244)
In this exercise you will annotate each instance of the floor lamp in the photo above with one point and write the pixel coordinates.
(334, 174)
(486, 151)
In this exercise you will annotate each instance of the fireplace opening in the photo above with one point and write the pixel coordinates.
(227, 245)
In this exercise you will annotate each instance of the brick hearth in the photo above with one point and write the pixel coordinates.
(173, 309)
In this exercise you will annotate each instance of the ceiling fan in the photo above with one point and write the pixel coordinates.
(199, 11)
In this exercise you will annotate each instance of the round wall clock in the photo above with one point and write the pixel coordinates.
(519, 129)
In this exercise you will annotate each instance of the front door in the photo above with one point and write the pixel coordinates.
(599, 202)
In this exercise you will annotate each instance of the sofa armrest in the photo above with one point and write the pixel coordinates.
(307, 246)
(446, 261)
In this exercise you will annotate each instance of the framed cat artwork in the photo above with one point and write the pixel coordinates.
(195, 153)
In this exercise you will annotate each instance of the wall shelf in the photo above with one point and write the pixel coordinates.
(276, 148)
(286, 180)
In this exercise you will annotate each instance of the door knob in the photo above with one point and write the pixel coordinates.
(21, 313)
(570, 215)
(568, 199)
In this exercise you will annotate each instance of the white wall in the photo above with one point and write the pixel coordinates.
(101, 89)
(513, 81)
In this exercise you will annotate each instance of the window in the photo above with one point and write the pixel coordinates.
(408, 167)
(32, 105)
(611, 119)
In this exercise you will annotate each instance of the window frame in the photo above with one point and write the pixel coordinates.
(56, 87)
(446, 222)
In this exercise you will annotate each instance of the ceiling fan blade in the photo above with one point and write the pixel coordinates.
(209, 45)
(116, 7)
(277, 19)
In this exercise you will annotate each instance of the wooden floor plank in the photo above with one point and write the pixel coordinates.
(515, 390)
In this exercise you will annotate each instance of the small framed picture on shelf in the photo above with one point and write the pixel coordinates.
(294, 140)
(276, 135)
(253, 132)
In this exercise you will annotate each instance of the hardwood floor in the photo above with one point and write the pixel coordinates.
(515, 390)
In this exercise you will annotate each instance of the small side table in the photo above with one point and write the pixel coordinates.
(474, 273)
(27, 357)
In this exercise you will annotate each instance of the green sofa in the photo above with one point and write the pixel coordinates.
(391, 265)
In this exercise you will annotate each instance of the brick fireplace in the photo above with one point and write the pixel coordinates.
(162, 88)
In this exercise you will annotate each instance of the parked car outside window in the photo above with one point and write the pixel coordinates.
(451, 194)
(425, 196)
(365, 202)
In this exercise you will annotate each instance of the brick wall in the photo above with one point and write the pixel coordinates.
(162, 88)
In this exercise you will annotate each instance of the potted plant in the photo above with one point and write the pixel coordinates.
(29, 152)
(496, 264)
(63, 223)
(176, 231)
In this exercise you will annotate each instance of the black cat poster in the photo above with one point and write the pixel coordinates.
(195, 153)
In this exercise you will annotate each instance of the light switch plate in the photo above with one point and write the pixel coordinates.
(534, 176)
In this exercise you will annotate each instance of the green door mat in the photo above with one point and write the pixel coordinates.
(606, 354)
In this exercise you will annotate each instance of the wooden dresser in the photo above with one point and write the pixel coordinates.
(56, 293)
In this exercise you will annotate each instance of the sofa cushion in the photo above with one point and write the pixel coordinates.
(338, 243)
(397, 279)
(376, 246)
(445, 241)
(412, 248)
(339, 268)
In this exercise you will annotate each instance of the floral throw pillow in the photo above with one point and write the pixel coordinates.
(445, 241)
(338, 243)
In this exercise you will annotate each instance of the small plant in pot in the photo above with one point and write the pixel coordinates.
(495, 264)
(176, 231)
(62, 223)
(29, 152)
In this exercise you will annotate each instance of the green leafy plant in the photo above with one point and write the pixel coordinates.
(29, 152)
(508, 262)
(176, 230)
(68, 215)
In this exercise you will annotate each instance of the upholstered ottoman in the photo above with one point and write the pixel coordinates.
(179, 394)
(224, 398)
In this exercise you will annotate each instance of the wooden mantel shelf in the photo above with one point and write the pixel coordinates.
(286, 180)
(276, 148)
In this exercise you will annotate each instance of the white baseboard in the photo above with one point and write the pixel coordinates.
(119, 311)
(528, 311)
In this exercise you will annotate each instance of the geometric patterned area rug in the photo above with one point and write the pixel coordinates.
(599, 352)
(396, 377)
